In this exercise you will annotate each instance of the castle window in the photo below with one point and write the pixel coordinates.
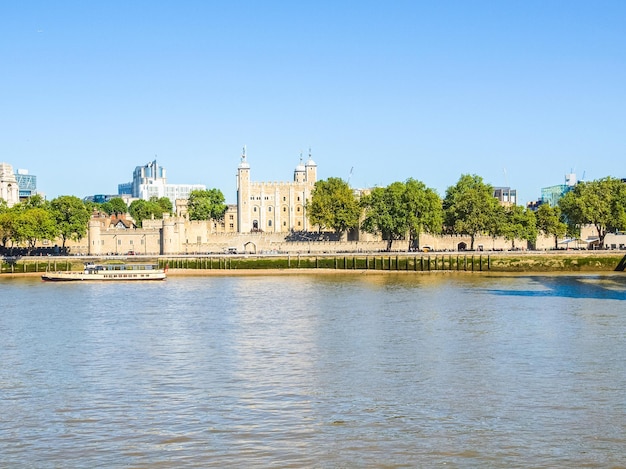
(298, 209)
(298, 198)
(269, 209)
(255, 209)
(299, 224)
(230, 217)
(284, 209)
(269, 223)
(284, 199)
(284, 223)
(232, 226)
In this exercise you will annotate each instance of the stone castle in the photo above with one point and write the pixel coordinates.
(269, 217)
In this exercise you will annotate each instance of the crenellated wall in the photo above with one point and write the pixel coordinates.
(177, 235)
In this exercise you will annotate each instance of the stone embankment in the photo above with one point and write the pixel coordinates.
(515, 261)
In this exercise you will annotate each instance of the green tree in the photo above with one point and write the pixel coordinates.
(519, 223)
(386, 212)
(550, 222)
(33, 201)
(600, 203)
(142, 210)
(206, 205)
(469, 207)
(35, 224)
(71, 217)
(8, 224)
(333, 205)
(116, 206)
(424, 211)
(164, 203)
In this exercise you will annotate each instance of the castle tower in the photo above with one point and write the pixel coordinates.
(169, 238)
(243, 194)
(299, 174)
(9, 189)
(93, 236)
(311, 170)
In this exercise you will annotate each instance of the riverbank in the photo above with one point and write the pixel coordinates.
(276, 264)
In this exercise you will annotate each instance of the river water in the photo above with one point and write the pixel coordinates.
(350, 370)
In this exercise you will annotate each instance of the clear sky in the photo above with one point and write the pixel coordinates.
(518, 92)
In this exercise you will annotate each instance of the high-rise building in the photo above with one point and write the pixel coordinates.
(150, 181)
(505, 195)
(552, 194)
(27, 183)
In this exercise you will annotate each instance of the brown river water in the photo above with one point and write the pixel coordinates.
(352, 370)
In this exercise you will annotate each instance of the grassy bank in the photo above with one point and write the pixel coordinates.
(560, 261)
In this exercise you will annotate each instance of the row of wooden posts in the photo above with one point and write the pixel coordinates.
(450, 262)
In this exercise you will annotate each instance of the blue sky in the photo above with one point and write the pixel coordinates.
(518, 92)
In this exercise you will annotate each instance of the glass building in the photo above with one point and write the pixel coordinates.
(27, 183)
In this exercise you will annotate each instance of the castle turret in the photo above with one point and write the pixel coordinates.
(9, 189)
(169, 238)
(299, 174)
(311, 170)
(243, 194)
(94, 239)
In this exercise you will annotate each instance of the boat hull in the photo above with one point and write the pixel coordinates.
(104, 276)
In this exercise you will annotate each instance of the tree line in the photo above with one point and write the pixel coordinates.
(67, 217)
(401, 210)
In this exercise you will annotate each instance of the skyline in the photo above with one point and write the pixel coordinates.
(519, 94)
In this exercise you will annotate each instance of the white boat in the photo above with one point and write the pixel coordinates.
(106, 272)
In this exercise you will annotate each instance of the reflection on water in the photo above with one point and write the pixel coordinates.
(315, 371)
(599, 287)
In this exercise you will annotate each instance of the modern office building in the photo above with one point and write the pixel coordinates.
(27, 183)
(9, 189)
(505, 195)
(150, 181)
(552, 194)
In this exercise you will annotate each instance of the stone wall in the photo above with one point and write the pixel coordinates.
(177, 235)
